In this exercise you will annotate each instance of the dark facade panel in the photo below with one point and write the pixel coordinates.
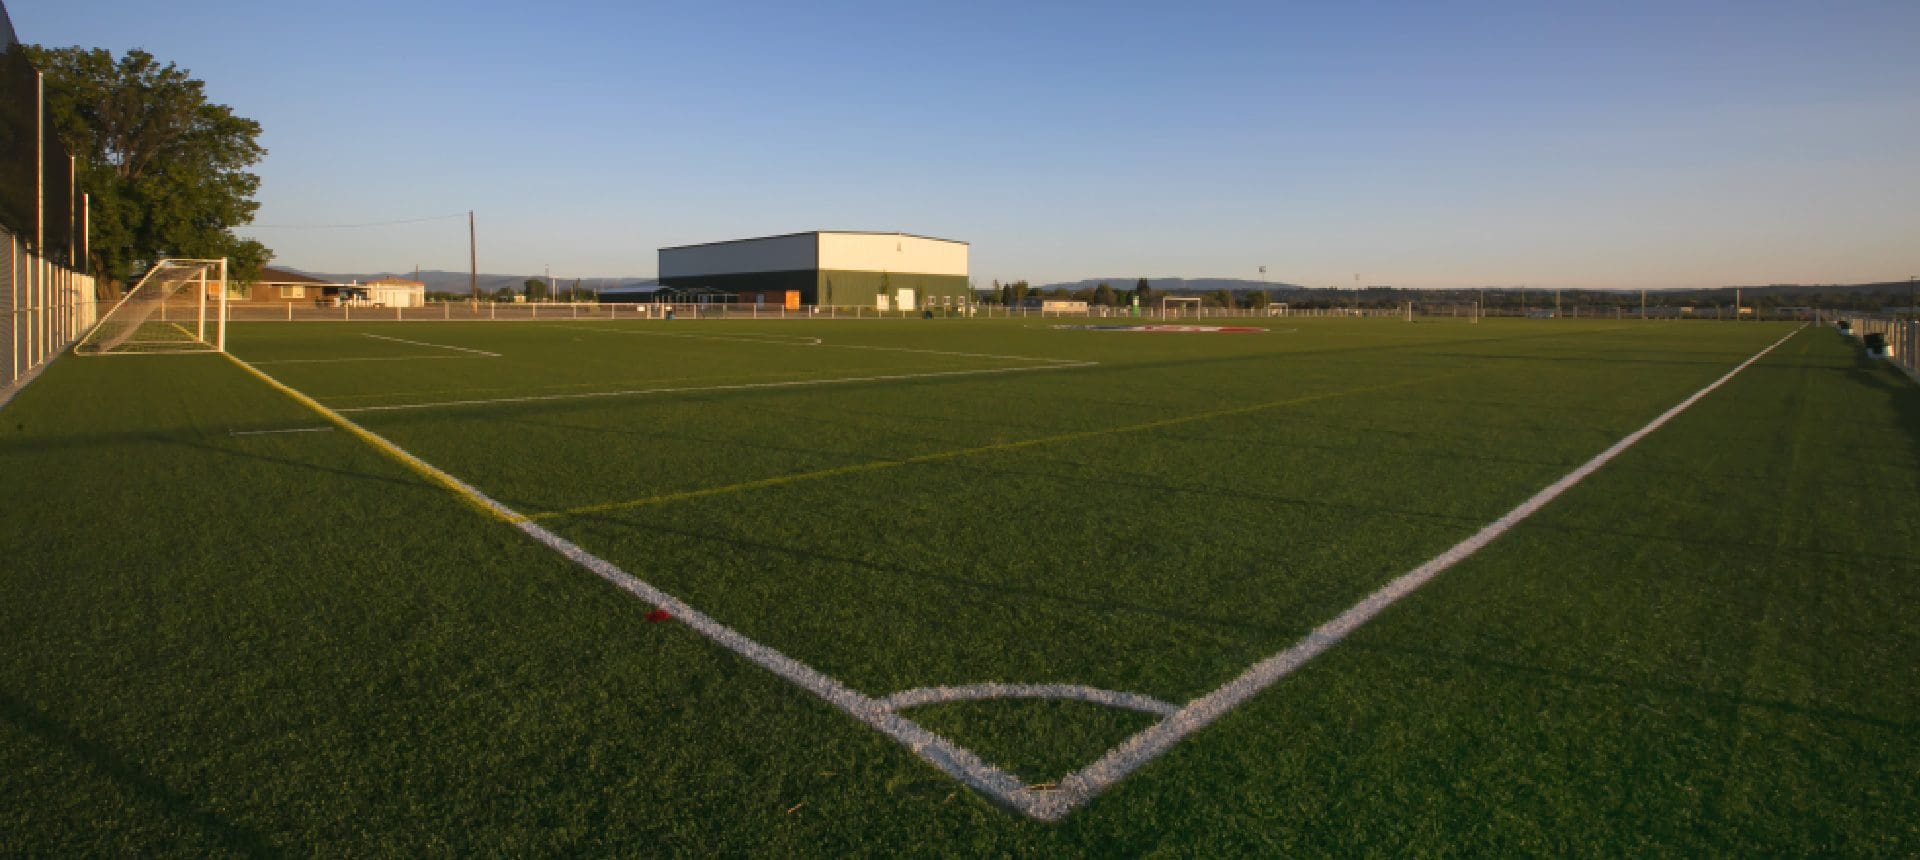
(804, 280)
(848, 289)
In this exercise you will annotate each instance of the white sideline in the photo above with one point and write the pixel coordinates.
(740, 386)
(434, 345)
(1075, 789)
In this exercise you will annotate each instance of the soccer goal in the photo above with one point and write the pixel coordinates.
(179, 306)
(1171, 307)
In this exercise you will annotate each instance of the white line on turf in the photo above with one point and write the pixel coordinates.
(365, 358)
(1079, 787)
(434, 345)
(773, 339)
(957, 761)
(1076, 789)
(818, 342)
(740, 386)
(1075, 692)
(287, 430)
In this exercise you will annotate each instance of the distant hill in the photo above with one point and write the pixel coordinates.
(1177, 285)
(439, 281)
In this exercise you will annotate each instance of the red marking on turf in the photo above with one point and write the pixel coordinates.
(658, 615)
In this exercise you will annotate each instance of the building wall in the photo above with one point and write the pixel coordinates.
(803, 280)
(799, 252)
(848, 289)
(883, 252)
(397, 296)
(841, 269)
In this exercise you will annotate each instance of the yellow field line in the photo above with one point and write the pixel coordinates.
(414, 464)
(938, 456)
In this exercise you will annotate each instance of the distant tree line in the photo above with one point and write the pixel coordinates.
(1865, 297)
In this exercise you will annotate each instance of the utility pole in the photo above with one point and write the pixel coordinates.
(1736, 304)
(1643, 302)
(473, 261)
(1556, 302)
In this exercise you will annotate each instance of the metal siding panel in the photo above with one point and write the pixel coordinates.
(773, 254)
(883, 252)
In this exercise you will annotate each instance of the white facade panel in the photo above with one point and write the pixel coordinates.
(890, 252)
(772, 254)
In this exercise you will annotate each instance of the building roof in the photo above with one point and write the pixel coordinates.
(816, 233)
(271, 275)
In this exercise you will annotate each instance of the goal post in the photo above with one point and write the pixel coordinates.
(178, 306)
(1175, 306)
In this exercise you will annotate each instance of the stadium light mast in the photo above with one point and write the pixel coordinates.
(473, 262)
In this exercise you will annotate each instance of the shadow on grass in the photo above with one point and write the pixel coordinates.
(114, 766)
(1901, 391)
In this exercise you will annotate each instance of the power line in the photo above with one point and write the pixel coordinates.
(351, 226)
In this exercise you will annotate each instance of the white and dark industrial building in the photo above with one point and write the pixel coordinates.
(891, 271)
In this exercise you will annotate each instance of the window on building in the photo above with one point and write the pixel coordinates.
(293, 292)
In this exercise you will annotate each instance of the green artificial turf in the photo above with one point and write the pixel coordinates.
(289, 642)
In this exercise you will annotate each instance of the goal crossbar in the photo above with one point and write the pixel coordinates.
(179, 305)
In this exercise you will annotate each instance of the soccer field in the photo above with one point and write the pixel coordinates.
(965, 586)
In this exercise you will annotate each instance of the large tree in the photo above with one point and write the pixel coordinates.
(165, 168)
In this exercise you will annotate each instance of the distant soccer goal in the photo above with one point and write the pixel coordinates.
(179, 306)
(1172, 307)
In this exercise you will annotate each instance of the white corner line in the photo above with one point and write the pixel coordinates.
(1081, 786)
(1075, 789)
(434, 345)
(951, 758)
(919, 696)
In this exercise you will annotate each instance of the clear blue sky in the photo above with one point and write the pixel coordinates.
(1619, 144)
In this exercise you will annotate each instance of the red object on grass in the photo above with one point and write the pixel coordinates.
(657, 616)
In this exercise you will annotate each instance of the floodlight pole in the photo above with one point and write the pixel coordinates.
(37, 283)
(473, 260)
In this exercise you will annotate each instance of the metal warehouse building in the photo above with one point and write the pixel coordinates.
(894, 271)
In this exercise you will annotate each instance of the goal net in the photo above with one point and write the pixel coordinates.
(1173, 308)
(179, 306)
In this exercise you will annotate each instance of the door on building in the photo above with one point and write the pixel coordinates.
(906, 299)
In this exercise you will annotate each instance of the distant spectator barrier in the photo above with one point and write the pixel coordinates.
(1896, 340)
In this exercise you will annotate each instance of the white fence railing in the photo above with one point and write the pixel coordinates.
(46, 307)
(1898, 339)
